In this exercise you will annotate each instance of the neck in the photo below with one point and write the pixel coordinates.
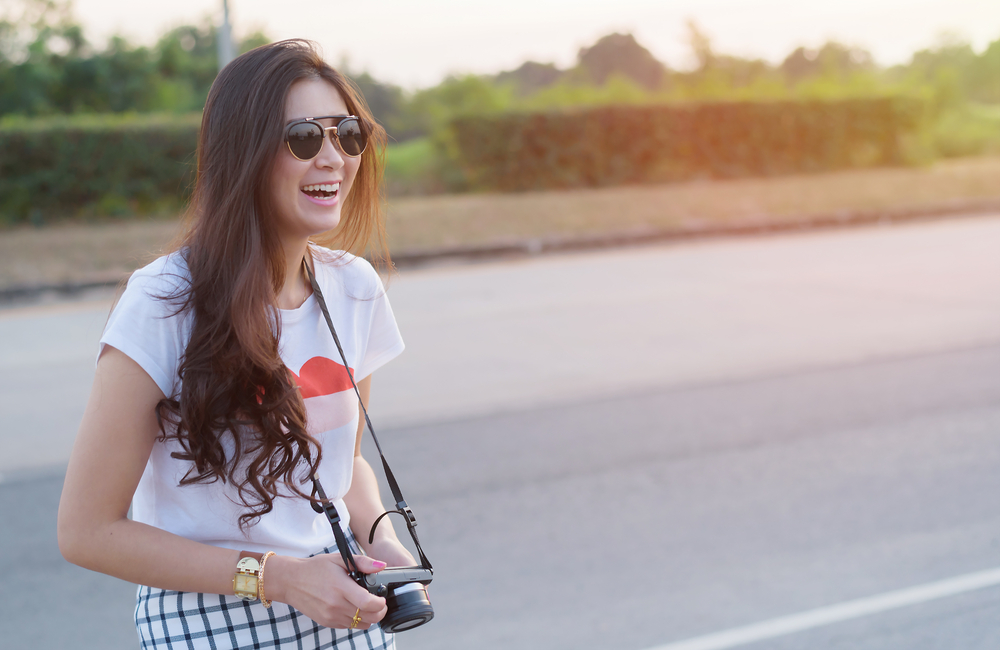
(295, 288)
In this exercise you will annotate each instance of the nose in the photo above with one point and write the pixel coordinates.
(330, 156)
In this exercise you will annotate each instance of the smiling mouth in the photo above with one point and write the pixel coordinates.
(322, 191)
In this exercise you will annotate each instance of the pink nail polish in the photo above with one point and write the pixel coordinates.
(378, 565)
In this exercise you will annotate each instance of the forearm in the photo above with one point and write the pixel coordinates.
(145, 555)
(113, 445)
(317, 586)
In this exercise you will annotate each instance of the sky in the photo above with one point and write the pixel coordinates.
(417, 43)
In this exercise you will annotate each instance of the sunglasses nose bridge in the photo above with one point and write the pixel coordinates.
(330, 132)
(334, 134)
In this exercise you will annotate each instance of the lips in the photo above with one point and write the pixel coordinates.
(324, 194)
(321, 190)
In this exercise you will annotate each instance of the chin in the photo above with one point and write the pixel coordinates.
(318, 228)
(318, 220)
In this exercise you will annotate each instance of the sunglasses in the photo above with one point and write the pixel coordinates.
(305, 137)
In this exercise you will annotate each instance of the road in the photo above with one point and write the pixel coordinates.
(627, 449)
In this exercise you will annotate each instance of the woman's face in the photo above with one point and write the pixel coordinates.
(303, 209)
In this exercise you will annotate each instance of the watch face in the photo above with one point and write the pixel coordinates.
(245, 586)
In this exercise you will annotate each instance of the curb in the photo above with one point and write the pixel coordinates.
(821, 221)
(538, 246)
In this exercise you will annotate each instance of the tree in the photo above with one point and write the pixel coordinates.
(620, 53)
(530, 77)
(386, 102)
(833, 59)
(985, 76)
(47, 66)
(701, 46)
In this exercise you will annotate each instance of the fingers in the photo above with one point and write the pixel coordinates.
(371, 607)
(362, 620)
(320, 588)
(358, 605)
(367, 564)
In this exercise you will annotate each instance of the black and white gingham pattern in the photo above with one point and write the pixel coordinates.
(191, 621)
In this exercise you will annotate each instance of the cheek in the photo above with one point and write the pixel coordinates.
(285, 178)
(352, 167)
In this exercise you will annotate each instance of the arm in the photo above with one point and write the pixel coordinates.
(116, 436)
(365, 504)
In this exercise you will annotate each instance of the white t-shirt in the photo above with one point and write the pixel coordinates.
(146, 329)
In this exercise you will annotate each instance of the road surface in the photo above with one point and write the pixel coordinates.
(627, 449)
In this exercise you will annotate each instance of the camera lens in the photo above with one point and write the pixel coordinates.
(407, 609)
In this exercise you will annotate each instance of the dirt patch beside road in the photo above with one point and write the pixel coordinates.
(82, 253)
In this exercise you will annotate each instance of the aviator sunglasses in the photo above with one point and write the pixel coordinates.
(305, 137)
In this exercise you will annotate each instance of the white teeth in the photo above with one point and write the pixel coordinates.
(325, 187)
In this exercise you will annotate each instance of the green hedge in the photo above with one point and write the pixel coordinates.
(636, 144)
(95, 165)
(126, 165)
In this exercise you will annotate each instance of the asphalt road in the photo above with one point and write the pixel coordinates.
(627, 449)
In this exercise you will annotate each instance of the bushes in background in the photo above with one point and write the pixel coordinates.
(637, 144)
(102, 165)
(117, 165)
(969, 130)
(114, 165)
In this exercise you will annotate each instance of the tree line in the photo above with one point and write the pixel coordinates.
(47, 67)
(49, 70)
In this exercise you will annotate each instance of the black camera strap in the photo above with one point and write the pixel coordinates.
(327, 506)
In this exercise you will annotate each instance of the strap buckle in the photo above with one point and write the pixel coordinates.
(411, 520)
(331, 512)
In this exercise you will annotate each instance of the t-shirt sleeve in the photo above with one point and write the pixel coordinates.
(146, 328)
(384, 340)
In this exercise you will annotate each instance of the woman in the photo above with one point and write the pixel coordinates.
(219, 389)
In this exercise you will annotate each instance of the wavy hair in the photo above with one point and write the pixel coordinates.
(234, 385)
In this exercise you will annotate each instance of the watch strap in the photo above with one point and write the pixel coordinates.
(257, 556)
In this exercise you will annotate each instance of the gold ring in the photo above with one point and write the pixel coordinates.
(356, 619)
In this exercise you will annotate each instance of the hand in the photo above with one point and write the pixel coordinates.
(320, 588)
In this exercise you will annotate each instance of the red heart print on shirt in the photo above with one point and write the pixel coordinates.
(321, 376)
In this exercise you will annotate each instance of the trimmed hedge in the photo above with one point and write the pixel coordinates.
(640, 144)
(103, 165)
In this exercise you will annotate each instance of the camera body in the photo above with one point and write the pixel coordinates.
(405, 596)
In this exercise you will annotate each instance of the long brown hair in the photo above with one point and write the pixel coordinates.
(235, 386)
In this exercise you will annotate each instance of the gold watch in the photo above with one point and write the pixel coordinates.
(247, 575)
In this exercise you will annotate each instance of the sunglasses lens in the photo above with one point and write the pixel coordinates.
(352, 139)
(305, 140)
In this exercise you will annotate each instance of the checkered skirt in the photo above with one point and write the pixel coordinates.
(178, 620)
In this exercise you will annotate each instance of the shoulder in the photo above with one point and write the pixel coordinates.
(158, 289)
(166, 275)
(149, 323)
(354, 275)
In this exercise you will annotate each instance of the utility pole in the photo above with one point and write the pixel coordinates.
(225, 38)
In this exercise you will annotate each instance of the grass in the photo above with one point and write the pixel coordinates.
(406, 168)
(478, 219)
(88, 252)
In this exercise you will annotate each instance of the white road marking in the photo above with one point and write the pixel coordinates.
(851, 609)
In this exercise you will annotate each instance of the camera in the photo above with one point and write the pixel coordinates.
(405, 596)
